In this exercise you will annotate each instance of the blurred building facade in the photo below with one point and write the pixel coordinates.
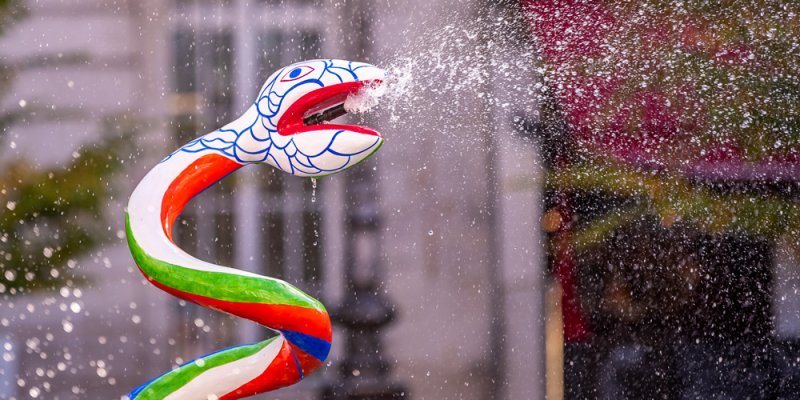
(459, 245)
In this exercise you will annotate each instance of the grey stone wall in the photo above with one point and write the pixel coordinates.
(434, 196)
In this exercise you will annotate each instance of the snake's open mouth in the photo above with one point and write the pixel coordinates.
(314, 110)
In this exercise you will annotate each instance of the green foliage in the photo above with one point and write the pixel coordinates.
(678, 82)
(51, 216)
(714, 73)
(675, 199)
(11, 11)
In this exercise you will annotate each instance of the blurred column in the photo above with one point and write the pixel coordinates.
(515, 177)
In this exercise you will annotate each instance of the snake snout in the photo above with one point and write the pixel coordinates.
(321, 147)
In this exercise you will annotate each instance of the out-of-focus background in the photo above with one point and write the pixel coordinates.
(588, 199)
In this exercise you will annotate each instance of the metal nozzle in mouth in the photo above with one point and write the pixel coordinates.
(325, 115)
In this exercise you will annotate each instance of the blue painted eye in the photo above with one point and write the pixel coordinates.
(297, 73)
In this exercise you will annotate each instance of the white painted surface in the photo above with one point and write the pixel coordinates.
(221, 380)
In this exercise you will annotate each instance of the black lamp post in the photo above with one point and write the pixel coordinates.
(365, 310)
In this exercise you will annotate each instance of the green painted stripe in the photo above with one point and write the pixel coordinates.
(219, 285)
(179, 377)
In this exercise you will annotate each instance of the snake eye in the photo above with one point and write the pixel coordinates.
(297, 73)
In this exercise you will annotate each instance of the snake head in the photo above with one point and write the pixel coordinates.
(295, 106)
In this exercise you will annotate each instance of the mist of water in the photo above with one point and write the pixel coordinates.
(447, 68)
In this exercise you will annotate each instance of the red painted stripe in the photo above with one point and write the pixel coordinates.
(308, 363)
(198, 176)
(281, 372)
(276, 316)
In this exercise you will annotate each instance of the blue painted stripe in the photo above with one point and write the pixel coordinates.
(316, 347)
(297, 364)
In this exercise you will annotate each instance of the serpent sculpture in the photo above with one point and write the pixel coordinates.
(286, 127)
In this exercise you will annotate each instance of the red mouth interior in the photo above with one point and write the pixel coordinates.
(318, 100)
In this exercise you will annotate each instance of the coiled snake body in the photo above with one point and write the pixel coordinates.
(281, 128)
